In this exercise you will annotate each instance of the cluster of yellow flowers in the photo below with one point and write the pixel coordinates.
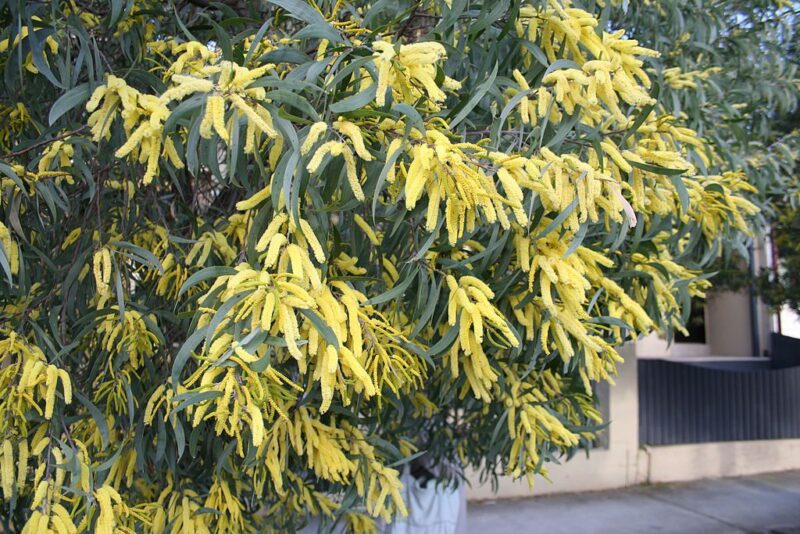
(678, 79)
(470, 309)
(28, 381)
(410, 71)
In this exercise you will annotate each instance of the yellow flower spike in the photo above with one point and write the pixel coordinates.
(10, 248)
(257, 424)
(524, 103)
(367, 229)
(52, 382)
(39, 494)
(271, 230)
(314, 134)
(311, 237)
(612, 152)
(214, 118)
(353, 132)
(66, 520)
(102, 271)
(66, 385)
(358, 371)
(352, 173)
(331, 147)
(106, 521)
(256, 199)
(252, 116)
(7, 470)
(22, 465)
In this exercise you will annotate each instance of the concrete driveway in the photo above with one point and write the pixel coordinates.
(767, 503)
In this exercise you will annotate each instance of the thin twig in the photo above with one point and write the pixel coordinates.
(43, 143)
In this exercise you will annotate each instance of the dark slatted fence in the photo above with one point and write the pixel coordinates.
(698, 403)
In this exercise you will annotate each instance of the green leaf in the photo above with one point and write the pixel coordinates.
(223, 311)
(144, 255)
(185, 353)
(444, 343)
(301, 10)
(319, 31)
(558, 221)
(295, 100)
(8, 171)
(394, 292)
(205, 274)
(325, 331)
(564, 128)
(37, 53)
(479, 93)
(4, 263)
(357, 101)
(657, 169)
(512, 104)
(257, 40)
(185, 400)
(428, 242)
(99, 420)
(390, 161)
(683, 193)
(413, 116)
(68, 101)
(408, 459)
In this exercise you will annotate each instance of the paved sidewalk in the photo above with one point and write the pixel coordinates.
(758, 504)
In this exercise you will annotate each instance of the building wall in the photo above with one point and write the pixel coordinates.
(623, 463)
(728, 331)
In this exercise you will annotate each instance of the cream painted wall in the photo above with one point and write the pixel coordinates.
(679, 463)
(728, 331)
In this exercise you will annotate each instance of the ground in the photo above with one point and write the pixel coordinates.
(758, 504)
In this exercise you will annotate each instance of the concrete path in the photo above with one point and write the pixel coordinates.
(758, 504)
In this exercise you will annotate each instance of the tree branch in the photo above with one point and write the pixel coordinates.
(43, 143)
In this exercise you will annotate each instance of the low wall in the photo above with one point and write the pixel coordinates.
(680, 463)
(654, 465)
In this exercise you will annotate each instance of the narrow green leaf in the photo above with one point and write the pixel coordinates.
(185, 353)
(325, 331)
(68, 101)
(657, 169)
(479, 93)
(205, 274)
(185, 400)
(558, 221)
(143, 253)
(444, 343)
(683, 193)
(99, 420)
(394, 292)
(356, 101)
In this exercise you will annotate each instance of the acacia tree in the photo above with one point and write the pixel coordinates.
(259, 256)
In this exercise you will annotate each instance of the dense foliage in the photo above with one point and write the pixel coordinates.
(257, 257)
